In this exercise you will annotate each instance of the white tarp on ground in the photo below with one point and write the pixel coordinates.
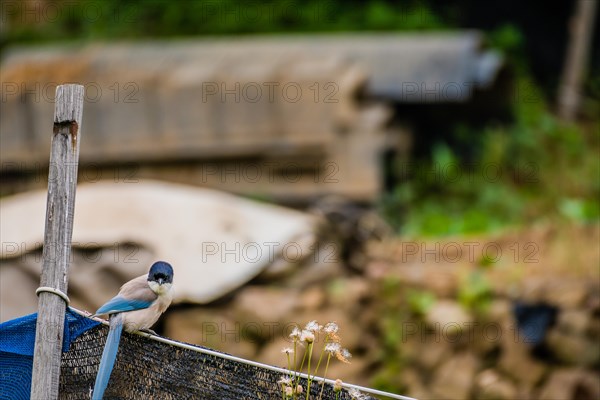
(215, 241)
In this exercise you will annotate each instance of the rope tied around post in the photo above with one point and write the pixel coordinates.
(55, 291)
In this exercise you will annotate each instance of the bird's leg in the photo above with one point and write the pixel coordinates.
(150, 331)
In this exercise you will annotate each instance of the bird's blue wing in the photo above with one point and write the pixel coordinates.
(119, 304)
(109, 355)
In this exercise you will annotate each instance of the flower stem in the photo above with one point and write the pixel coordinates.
(320, 358)
(301, 366)
(324, 376)
(310, 350)
(293, 372)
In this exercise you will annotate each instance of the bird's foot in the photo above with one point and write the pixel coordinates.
(150, 331)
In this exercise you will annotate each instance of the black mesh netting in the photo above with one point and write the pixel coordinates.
(147, 369)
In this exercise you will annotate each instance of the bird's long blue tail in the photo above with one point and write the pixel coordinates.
(109, 355)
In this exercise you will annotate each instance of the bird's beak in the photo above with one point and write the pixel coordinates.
(161, 281)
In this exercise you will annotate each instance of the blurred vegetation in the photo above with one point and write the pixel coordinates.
(393, 310)
(134, 19)
(535, 168)
(531, 169)
(475, 292)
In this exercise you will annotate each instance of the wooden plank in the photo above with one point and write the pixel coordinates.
(62, 182)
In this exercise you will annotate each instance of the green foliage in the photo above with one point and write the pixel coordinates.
(135, 19)
(387, 379)
(581, 210)
(396, 306)
(392, 311)
(507, 38)
(475, 292)
(535, 168)
(486, 261)
(510, 41)
(419, 301)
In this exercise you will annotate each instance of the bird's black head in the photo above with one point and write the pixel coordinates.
(161, 272)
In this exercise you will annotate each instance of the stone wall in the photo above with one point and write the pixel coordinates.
(514, 316)
(433, 319)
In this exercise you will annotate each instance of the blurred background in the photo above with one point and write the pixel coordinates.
(424, 174)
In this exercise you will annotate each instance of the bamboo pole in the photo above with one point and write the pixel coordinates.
(581, 27)
(62, 182)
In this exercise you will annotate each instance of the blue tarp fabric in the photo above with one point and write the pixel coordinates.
(17, 339)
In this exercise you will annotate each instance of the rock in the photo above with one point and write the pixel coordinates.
(433, 353)
(313, 298)
(532, 290)
(411, 379)
(441, 279)
(516, 361)
(347, 293)
(212, 329)
(215, 241)
(500, 311)
(449, 318)
(594, 330)
(526, 392)
(377, 269)
(574, 321)
(566, 293)
(593, 303)
(454, 378)
(485, 338)
(573, 349)
(571, 384)
(315, 271)
(17, 290)
(412, 340)
(283, 267)
(422, 349)
(489, 331)
(490, 385)
(260, 304)
(278, 270)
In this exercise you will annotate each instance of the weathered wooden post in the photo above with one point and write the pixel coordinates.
(62, 182)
